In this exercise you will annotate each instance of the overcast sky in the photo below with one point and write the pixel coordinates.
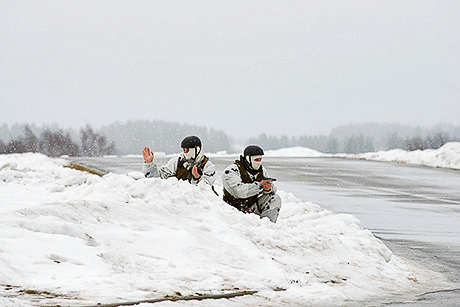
(246, 67)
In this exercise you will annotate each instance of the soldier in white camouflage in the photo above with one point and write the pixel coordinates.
(191, 165)
(248, 187)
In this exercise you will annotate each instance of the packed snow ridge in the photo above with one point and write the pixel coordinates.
(447, 156)
(72, 238)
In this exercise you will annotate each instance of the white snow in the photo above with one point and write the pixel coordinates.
(448, 156)
(72, 238)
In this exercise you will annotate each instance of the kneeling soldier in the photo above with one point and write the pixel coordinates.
(247, 186)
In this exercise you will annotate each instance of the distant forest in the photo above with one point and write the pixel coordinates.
(369, 137)
(122, 139)
(160, 136)
(55, 142)
(131, 137)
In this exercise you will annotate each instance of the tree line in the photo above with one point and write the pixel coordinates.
(131, 137)
(55, 143)
(352, 144)
(118, 138)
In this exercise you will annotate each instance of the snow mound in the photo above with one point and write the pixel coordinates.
(90, 239)
(447, 156)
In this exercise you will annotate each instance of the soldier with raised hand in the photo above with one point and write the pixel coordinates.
(191, 165)
(248, 187)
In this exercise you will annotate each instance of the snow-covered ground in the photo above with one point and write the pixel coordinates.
(448, 156)
(72, 238)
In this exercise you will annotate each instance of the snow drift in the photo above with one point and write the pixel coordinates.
(447, 156)
(75, 238)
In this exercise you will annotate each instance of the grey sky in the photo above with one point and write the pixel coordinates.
(247, 67)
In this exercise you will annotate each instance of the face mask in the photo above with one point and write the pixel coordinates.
(190, 154)
(255, 164)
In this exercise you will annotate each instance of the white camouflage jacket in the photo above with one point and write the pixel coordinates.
(169, 170)
(232, 182)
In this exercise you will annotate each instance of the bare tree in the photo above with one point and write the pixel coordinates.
(416, 143)
(55, 144)
(440, 139)
(31, 142)
(15, 146)
(93, 144)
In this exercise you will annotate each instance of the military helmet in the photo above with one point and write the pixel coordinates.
(253, 150)
(194, 144)
(191, 142)
(253, 154)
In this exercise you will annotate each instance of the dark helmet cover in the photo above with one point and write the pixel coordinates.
(191, 142)
(253, 150)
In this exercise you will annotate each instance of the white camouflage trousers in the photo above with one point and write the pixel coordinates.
(268, 205)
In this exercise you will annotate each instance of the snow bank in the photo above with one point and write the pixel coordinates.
(76, 239)
(448, 156)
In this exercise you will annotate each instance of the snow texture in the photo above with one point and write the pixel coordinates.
(73, 238)
(448, 156)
